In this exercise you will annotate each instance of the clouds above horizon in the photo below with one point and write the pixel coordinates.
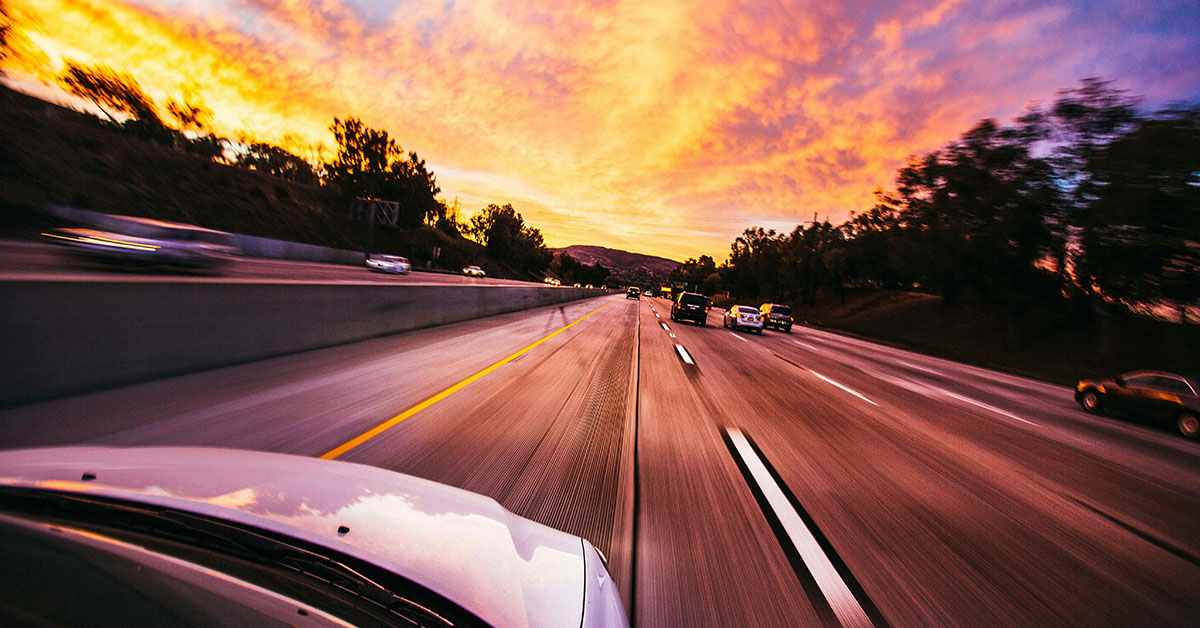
(658, 127)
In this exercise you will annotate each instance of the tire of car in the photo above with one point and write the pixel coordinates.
(787, 330)
(1189, 425)
(704, 323)
(1091, 401)
(759, 330)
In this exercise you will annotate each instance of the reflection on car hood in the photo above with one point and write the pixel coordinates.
(507, 570)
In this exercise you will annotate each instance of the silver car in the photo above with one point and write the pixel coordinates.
(192, 536)
(394, 264)
(743, 317)
(474, 271)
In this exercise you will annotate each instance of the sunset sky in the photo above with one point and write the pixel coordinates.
(655, 127)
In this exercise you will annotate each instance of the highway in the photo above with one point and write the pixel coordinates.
(40, 261)
(733, 479)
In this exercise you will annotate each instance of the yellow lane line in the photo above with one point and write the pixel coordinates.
(390, 423)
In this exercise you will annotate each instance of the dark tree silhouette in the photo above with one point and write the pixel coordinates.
(109, 90)
(370, 164)
(503, 231)
(1140, 241)
(277, 162)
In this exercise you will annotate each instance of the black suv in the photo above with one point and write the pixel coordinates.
(777, 316)
(690, 306)
(633, 292)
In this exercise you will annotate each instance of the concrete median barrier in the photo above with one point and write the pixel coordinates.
(66, 337)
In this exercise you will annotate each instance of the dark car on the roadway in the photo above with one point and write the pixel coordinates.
(690, 306)
(777, 316)
(1161, 397)
(633, 292)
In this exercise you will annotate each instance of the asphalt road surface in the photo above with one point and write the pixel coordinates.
(802, 479)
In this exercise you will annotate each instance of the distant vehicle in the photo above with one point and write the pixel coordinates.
(775, 315)
(743, 317)
(589, 286)
(198, 537)
(690, 306)
(577, 286)
(651, 293)
(389, 264)
(552, 281)
(633, 292)
(474, 271)
(1162, 397)
(149, 243)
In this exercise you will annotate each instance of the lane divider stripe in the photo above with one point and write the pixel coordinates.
(982, 405)
(843, 387)
(684, 354)
(738, 337)
(392, 422)
(845, 606)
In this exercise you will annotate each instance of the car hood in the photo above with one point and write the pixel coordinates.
(505, 569)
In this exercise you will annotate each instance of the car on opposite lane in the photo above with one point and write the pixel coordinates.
(777, 316)
(132, 241)
(690, 306)
(474, 271)
(743, 317)
(394, 264)
(1156, 395)
(201, 536)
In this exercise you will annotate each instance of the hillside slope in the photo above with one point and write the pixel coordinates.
(1036, 345)
(626, 267)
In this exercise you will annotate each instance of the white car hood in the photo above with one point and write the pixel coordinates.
(507, 570)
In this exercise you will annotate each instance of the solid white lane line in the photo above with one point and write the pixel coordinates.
(983, 405)
(684, 354)
(806, 345)
(738, 337)
(664, 325)
(841, 600)
(843, 387)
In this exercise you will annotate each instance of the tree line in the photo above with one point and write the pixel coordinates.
(1086, 203)
(367, 163)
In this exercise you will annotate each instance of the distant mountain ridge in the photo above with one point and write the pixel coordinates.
(626, 267)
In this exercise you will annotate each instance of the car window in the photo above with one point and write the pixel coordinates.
(1170, 384)
(691, 299)
(1140, 380)
(782, 310)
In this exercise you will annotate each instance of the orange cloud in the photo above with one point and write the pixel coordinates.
(661, 127)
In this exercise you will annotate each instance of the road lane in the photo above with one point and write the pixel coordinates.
(706, 555)
(306, 403)
(979, 516)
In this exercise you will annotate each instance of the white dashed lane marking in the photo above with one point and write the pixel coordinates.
(843, 387)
